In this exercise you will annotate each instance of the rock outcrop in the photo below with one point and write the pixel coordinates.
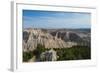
(54, 38)
(50, 55)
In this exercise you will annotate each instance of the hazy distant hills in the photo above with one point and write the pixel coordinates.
(55, 38)
(73, 35)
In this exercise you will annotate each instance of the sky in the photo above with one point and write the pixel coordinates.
(53, 19)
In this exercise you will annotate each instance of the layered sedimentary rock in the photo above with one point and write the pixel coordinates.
(55, 38)
(50, 55)
(32, 37)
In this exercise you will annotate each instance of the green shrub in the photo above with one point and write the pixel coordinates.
(27, 56)
(73, 53)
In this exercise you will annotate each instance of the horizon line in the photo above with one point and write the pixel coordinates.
(56, 28)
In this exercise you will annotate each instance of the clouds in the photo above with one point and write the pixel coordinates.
(46, 19)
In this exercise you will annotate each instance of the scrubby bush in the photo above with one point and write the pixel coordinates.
(73, 53)
(27, 56)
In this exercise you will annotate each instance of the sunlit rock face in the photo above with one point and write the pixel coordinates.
(53, 38)
(49, 56)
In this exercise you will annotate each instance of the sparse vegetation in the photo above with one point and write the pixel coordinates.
(79, 41)
(73, 53)
(27, 56)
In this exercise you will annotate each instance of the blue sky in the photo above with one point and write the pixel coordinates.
(52, 19)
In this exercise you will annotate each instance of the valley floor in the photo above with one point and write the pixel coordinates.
(57, 54)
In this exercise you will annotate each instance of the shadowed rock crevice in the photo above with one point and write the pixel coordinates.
(54, 38)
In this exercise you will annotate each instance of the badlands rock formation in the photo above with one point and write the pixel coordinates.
(32, 37)
(55, 38)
